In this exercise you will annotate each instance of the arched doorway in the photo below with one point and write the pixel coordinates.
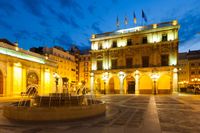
(111, 86)
(32, 78)
(1, 83)
(130, 84)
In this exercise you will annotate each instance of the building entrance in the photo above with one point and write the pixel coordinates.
(131, 87)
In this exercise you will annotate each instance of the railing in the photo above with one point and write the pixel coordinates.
(135, 66)
(136, 29)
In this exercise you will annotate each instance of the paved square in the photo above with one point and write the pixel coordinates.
(125, 114)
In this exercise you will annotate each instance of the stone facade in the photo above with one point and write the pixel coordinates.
(20, 68)
(136, 60)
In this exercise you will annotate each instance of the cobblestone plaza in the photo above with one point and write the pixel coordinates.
(125, 113)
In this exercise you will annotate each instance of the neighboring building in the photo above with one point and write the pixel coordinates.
(66, 64)
(84, 69)
(20, 69)
(137, 60)
(76, 52)
(189, 68)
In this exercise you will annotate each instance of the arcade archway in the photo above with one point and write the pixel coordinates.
(1, 83)
(129, 83)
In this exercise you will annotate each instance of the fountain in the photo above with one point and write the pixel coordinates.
(55, 107)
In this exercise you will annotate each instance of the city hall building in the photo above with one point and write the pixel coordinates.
(136, 60)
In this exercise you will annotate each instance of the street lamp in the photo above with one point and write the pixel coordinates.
(195, 80)
(154, 77)
(105, 78)
(56, 76)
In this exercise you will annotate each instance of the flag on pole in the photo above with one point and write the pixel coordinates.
(134, 18)
(117, 22)
(144, 16)
(126, 20)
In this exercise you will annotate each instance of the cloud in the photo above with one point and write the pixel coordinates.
(5, 25)
(74, 6)
(7, 8)
(64, 40)
(91, 8)
(95, 27)
(35, 7)
(69, 20)
(192, 44)
(22, 34)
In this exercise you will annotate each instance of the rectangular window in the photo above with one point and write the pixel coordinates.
(114, 63)
(164, 37)
(100, 45)
(164, 60)
(129, 42)
(114, 44)
(129, 62)
(145, 61)
(99, 65)
(144, 40)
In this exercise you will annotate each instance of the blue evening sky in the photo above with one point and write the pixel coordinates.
(65, 22)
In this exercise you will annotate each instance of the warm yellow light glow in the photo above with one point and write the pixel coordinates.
(17, 78)
(93, 36)
(47, 79)
(174, 22)
(105, 76)
(154, 26)
(106, 45)
(121, 43)
(172, 60)
(171, 36)
(94, 46)
(139, 28)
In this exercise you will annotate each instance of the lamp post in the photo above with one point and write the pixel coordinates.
(154, 77)
(105, 78)
(195, 80)
(56, 76)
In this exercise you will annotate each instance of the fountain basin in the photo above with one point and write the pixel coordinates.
(64, 113)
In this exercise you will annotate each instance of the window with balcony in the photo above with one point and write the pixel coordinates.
(129, 62)
(164, 37)
(114, 44)
(99, 65)
(164, 60)
(114, 63)
(129, 42)
(100, 46)
(145, 61)
(144, 40)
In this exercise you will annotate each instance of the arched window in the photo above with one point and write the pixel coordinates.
(32, 78)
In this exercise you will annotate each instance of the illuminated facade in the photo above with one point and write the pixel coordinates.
(189, 68)
(66, 69)
(84, 69)
(136, 60)
(20, 68)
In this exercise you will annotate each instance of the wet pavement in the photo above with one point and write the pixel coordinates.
(125, 114)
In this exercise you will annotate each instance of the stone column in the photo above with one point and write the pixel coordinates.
(175, 80)
(92, 83)
(121, 80)
(137, 76)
